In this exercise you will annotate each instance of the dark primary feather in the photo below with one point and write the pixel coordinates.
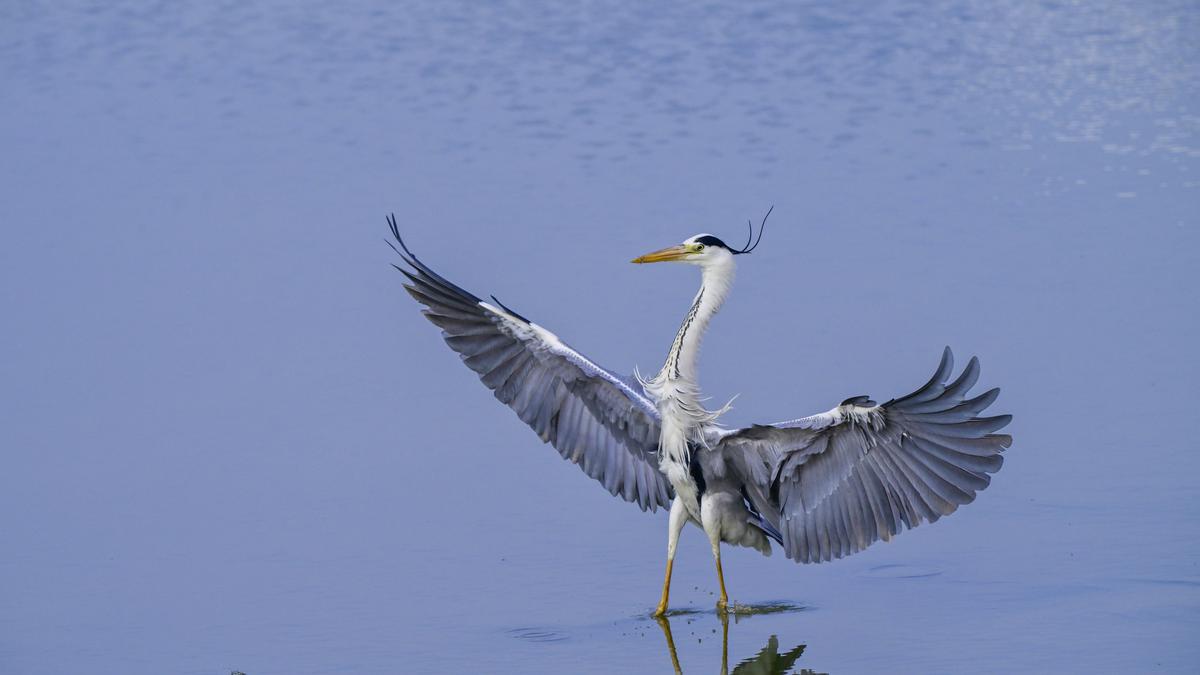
(834, 486)
(602, 422)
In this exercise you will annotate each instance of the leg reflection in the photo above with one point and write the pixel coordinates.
(768, 661)
(665, 624)
(724, 632)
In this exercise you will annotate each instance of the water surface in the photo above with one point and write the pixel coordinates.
(232, 443)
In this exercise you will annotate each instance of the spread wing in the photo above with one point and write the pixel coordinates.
(592, 417)
(836, 482)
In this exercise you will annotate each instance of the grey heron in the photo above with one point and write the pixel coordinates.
(822, 487)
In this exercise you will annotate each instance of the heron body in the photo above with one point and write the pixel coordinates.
(687, 454)
(822, 487)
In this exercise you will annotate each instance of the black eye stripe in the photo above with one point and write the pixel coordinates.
(709, 240)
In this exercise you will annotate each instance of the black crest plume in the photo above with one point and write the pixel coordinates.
(748, 248)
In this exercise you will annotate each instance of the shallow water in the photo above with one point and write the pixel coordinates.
(232, 443)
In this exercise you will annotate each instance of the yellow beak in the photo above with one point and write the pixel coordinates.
(678, 252)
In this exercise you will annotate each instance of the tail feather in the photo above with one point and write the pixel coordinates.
(767, 528)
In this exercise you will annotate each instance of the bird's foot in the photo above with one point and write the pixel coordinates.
(723, 605)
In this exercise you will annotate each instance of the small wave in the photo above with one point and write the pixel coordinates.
(901, 572)
(538, 634)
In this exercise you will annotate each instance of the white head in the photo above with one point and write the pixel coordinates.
(704, 250)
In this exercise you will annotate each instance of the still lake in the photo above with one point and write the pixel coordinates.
(231, 442)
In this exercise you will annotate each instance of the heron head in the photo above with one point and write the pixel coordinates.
(704, 249)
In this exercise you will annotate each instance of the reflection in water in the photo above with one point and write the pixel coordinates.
(768, 661)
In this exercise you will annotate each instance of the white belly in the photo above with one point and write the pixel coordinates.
(683, 420)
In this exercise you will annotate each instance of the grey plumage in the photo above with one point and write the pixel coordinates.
(593, 417)
(835, 483)
(824, 486)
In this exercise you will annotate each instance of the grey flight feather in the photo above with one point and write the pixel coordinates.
(836, 482)
(594, 418)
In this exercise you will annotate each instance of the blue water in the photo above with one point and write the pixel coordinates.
(231, 442)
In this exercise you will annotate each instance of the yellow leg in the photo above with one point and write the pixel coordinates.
(675, 524)
(724, 601)
(662, 604)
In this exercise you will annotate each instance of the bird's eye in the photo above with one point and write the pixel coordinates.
(699, 247)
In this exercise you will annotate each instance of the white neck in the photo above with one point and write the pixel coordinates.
(676, 387)
(685, 421)
(685, 350)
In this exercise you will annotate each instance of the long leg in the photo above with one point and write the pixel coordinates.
(724, 601)
(677, 520)
(711, 520)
